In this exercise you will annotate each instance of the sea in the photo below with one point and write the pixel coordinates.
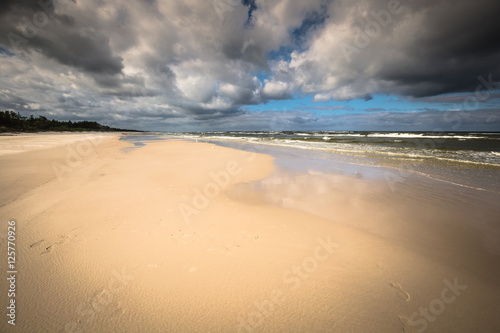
(468, 159)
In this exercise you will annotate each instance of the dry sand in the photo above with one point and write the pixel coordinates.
(172, 237)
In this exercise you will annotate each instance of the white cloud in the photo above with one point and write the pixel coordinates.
(201, 58)
(276, 90)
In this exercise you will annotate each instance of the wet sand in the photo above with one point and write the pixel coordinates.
(180, 236)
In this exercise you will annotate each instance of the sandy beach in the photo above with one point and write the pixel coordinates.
(180, 236)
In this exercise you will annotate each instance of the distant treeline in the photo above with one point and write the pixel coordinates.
(13, 122)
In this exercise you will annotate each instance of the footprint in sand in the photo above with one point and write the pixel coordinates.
(64, 239)
(401, 292)
(407, 328)
(48, 249)
(37, 243)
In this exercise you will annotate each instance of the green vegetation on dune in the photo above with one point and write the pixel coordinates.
(13, 122)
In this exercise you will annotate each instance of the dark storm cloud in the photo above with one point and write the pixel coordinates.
(9, 101)
(90, 54)
(454, 43)
(197, 112)
(203, 61)
(482, 93)
(424, 48)
(236, 49)
(28, 26)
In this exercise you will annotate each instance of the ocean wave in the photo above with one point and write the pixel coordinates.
(398, 146)
(423, 136)
(489, 159)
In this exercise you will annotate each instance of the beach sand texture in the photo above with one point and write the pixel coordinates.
(179, 236)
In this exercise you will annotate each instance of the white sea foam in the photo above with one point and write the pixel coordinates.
(414, 151)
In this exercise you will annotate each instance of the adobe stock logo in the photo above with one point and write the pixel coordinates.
(225, 7)
(28, 28)
(75, 156)
(436, 307)
(372, 29)
(292, 279)
(201, 198)
(220, 181)
(104, 299)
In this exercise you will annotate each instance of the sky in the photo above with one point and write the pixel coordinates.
(216, 65)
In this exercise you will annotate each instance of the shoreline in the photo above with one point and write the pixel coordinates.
(377, 167)
(185, 236)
